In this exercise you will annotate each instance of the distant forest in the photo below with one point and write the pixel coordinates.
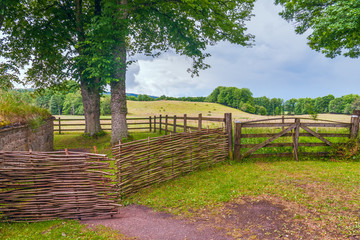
(69, 102)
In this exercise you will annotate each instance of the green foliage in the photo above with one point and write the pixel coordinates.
(246, 107)
(8, 75)
(56, 104)
(73, 104)
(334, 24)
(105, 105)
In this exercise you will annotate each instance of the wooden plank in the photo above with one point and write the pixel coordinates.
(354, 129)
(200, 122)
(150, 123)
(266, 155)
(263, 125)
(228, 130)
(174, 124)
(296, 139)
(160, 122)
(286, 145)
(185, 123)
(316, 135)
(166, 124)
(237, 141)
(212, 119)
(263, 135)
(269, 140)
(327, 125)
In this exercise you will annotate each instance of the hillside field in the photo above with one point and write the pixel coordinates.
(179, 108)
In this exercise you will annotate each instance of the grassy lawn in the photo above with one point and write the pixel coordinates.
(320, 194)
(57, 229)
(77, 140)
(325, 195)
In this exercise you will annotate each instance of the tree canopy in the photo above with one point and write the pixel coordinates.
(90, 40)
(334, 25)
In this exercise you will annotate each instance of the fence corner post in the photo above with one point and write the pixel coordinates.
(354, 127)
(228, 130)
(200, 122)
(185, 122)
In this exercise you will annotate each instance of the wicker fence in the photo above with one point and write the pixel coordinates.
(145, 162)
(41, 186)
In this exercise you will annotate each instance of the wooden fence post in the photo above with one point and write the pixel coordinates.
(185, 122)
(282, 121)
(166, 124)
(354, 128)
(150, 123)
(237, 141)
(228, 130)
(200, 122)
(296, 139)
(154, 124)
(59, 125)
(160, 124)
(174, 128)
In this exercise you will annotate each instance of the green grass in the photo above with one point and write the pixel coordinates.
(57, 229)
(15, 109)
(77, 140)
(326, 190)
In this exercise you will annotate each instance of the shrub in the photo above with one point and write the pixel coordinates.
(348, 151)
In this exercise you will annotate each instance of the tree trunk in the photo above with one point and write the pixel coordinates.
(118, 102)
(119, 128)
(91, 102)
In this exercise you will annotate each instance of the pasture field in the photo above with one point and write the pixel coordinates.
(179, 108)
(315, 199)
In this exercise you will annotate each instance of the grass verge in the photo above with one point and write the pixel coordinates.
(327, 192)
(57, 229)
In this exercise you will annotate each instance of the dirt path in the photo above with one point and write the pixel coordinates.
(145, 224)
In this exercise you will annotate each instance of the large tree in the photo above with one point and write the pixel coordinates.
(334, 25)
(90, 40)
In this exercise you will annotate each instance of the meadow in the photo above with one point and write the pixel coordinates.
(314, 198)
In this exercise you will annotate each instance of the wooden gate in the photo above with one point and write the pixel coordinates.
(285, 136)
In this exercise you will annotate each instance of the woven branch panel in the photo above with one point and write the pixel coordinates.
(38, 186)
(145, 162)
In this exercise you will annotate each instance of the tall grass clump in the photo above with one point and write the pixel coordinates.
(16, 110)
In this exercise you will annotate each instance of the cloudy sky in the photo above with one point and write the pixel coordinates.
(279, 65)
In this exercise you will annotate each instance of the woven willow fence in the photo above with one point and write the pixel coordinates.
(41, 186)
(145, 162)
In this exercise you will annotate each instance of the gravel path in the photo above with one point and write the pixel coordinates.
(145, 224)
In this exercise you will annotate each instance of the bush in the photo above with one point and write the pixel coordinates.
(348, 151)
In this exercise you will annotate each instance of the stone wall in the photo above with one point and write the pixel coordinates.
(23, 138)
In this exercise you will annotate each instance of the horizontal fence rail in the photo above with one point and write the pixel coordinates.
(152, 123)
(38, 186)
(279, 137)
(154, 160)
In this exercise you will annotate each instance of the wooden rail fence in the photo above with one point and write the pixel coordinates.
(37, 186)
(145, 162)
(284, 135)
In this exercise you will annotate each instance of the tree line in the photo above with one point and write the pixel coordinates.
(69, 101)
